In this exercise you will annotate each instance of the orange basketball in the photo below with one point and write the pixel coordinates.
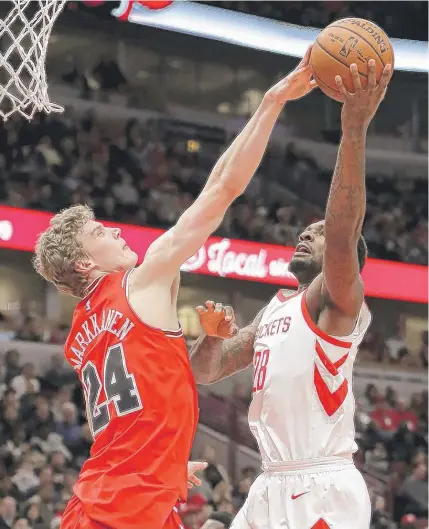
(344, 42)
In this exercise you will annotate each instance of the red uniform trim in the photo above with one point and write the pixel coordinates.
(332, 367)
(93, 286)
(341, 361)
(319, 332)
(320, 524)
(283, 298)
(331, 401)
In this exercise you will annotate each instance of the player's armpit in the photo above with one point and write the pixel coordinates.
(213, 359)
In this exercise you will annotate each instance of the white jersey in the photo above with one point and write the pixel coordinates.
(303, 405)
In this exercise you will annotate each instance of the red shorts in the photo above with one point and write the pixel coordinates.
(75, 518)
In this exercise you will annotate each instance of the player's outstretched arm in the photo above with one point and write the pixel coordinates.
(224, 349)
(345, 210)
(228, 180)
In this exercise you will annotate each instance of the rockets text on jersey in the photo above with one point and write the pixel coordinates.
(302, 405)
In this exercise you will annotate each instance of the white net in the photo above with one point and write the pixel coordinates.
(25, 28)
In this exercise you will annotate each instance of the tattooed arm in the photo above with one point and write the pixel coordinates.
(214, 359)
(345, 210)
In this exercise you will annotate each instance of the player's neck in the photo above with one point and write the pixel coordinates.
(92, 278)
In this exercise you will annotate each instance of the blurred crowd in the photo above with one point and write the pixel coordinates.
(140, 174)
(24, 322)
(393, 349)
(44, 439)
(406, 20)
(392, 439)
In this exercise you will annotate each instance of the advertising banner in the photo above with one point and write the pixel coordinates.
(237, 259)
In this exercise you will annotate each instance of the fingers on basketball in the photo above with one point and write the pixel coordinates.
(354, 72)
(386, 76)
(340, 85)
(372, 75)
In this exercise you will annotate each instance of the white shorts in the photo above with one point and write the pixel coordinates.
(315, 494)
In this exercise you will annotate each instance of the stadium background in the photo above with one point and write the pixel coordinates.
(147, 114)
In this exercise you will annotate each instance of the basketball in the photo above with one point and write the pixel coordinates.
(344, 42)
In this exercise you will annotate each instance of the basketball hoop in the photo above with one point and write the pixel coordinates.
(24, 36)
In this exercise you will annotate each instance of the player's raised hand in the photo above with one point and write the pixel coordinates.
(195, 466)
(296, 84)
(359, 108)
(217, 320)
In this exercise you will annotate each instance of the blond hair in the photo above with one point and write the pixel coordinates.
(58, 249)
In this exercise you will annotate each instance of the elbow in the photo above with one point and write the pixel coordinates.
(201, 376)
(230, 186)
(203, 379)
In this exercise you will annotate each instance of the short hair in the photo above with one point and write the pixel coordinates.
(58, 249)
(362, 251)
(223, 517)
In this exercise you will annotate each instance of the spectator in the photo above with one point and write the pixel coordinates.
(69, 428)
(241, 490)
(28, 331)
(125, 192)
(214, 474)
(42, 422)
(218, 520)
(63, 396)
(45, 501)
(32, 513)
(413, 496)
(70, 478)
(21, 523)
(7, 512)
(407, 415)
(26, 382)
(386, 418)
(10, 398)
(380, 518)
(45, 478)
(12, 362)
(194, 512)
(58, 375)
(25, 479)
(397, 348)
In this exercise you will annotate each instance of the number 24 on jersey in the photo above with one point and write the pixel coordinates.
(119, 387)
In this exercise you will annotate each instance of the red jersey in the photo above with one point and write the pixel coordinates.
(142, 407)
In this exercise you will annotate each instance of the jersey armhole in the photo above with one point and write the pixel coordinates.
(339, 342)
(178, 333)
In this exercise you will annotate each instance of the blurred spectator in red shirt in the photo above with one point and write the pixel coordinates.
(407, 415)
(387, 419)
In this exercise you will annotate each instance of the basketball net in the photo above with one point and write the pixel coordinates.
(24, 36)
